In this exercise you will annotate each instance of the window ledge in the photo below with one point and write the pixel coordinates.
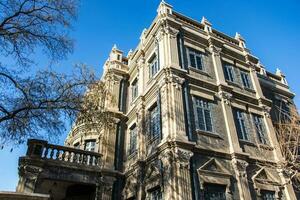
(199, 71)
(249, 89)
(266, 147)
(233, 84)
(247, 142)
(210, 134)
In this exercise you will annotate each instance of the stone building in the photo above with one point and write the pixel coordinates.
(194, 111)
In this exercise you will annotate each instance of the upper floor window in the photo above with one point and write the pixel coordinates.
(267, 195)
(214, 192)
(134, 89)
(77, 145)
(156, 194)
(195, 59)
(245, 79)
(90, 145)
(260, 129)
(133, 140)
(229, 72)
(154, 123)
(240, 122)
(153, 66)
(202, 110)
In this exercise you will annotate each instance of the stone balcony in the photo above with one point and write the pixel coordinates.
(59, 171)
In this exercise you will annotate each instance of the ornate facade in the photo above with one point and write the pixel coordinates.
(194, 111)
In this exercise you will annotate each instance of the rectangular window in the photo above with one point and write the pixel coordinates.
(156, 194)
(229, 72)
(214, 192)
(154, 123)
(245, 79)
(267, 195)
(134, 89)
(133, 140)
(260, 129)
(153, 66)
(202, 110)
(240, 123)
(90, 145)
(196, 60)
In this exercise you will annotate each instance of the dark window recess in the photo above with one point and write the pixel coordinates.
(134, 89)
(260, 128)
(196, 59)
(229, 72)
(156, 194)
(246, 80)
(214, 192)
(90, 145)
(154, 123)
(153, 66)
(203, 119)
(240, 123)
(267, 195)
(133, 140)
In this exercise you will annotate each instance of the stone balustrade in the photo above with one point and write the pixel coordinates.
(43, 150)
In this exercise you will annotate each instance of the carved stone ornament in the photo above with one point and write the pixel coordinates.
(266, 110)
(171, 78)
(171, 31)
(183, 155)
(225, 96)
(215, 50)
(240, 167)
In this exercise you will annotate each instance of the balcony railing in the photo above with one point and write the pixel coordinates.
(42, 150)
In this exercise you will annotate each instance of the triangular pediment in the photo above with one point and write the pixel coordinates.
(264, 175)
(152, 171)
(214, 166)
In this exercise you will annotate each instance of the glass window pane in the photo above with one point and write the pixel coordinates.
(214, 192)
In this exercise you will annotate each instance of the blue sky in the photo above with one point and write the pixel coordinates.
(271, 29)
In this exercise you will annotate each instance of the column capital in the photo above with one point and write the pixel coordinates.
(225, 96)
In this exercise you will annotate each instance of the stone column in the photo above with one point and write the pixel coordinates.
(233, 140)
(176, 177)
(172, 107)
(217, 63)
(239, 167)
(141, 137)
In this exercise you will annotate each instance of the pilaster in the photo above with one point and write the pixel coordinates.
(217, 63)
(239, 167)
(172, 107)
(229, 122)
(176, 178)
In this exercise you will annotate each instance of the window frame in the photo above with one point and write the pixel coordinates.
(268, 192)
(196, 54)
(246, 80)
(211, 188)
(230, 77)
(132, 143)
(153, 65)
(154, 117)
(90, 148)
(134, 89)
(241, 119)
(157, 192)
(204, 105)
(260, 128)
